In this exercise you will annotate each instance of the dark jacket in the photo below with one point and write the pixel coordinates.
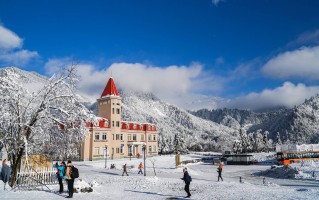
(186, 178)
(219, 170)
(5, 173)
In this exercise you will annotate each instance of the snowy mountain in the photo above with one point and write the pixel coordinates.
(31, 80)
(197, 102)
(300, 124)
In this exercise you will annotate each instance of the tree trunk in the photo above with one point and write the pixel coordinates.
(15, 167)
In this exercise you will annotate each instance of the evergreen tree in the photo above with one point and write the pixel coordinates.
(237, 147)
(278, 140)
(179, 144)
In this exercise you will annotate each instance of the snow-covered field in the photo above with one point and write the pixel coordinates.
(110, 184)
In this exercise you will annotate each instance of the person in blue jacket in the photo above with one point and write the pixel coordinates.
(60, 174)
(5, 173)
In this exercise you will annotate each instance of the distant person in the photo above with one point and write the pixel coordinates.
(138, 155)
(187, 179)
(5, 173)
(124, 170)
(140, 167)
(60, 174)
(219, 170)
(69, 176)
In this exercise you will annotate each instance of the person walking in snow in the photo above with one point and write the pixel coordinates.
(140, 167)
(5, 173)
(187, 179)
(219, 170)
(69, 178)
(124, 170)
(60, 174)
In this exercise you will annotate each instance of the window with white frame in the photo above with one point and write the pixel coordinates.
(96, 151)
(104, 136)
(106, 123)
(149, 137)
(117, 111)
(129, 137)
(154, 137)
(142, 137)
(122, 149)
(134, 126)
(117, 150)
(154, 148)
(117, 124)
(134, 137)
(97, 136)
(149, 148)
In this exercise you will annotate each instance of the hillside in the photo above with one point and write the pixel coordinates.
(300, 124)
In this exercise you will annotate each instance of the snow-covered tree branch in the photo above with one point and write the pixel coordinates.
(50, 120)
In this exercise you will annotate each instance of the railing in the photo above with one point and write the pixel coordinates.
(37, 178)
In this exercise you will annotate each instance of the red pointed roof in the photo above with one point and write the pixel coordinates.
(110, 88)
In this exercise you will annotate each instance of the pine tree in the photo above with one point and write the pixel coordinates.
(237, 147)
(278, 140)
(179, 144)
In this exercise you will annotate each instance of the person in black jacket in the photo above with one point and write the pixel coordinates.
(219, 170)
(187, 180)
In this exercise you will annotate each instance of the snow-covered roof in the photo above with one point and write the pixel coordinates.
(137, 126)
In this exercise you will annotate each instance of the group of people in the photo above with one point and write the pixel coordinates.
(140, 169)
(5, 173)
(65, 172)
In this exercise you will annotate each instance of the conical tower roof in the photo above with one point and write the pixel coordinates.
(110, 89)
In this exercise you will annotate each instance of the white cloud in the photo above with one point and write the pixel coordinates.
(307, 38)
(54, 65)
(10, 49)
(9, 40)
(20, 57)
(216, 2)
(171, 83)
(287, 95)
(302, 63)
(166, 81)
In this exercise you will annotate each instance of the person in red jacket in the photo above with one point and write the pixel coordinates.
(140, 167)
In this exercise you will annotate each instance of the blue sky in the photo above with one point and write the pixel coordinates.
(238, 50)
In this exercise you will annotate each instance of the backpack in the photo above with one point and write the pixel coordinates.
(74, 172)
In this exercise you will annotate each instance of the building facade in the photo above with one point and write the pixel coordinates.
(116, 137)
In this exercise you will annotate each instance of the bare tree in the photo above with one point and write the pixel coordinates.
(153, 161)
(40, 120)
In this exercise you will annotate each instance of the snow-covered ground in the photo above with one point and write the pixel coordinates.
(110, 184)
